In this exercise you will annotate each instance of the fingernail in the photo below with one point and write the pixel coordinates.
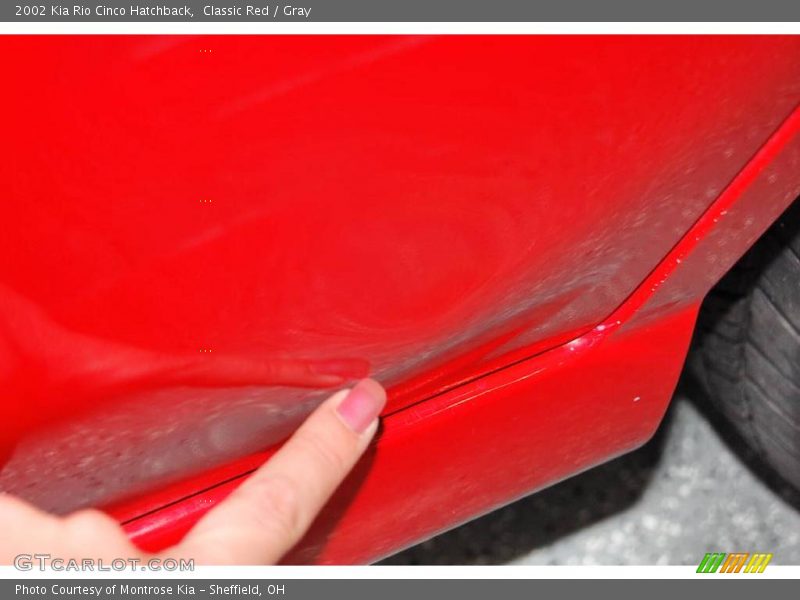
(362, 405)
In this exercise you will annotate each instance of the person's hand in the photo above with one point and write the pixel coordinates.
(257, 524)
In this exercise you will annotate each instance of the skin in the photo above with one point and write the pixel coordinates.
(257, 524)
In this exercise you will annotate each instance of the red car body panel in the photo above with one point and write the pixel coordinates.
(204, 234)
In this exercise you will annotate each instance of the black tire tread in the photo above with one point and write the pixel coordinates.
(749, 346)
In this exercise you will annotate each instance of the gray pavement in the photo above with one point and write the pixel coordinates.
(694, 488)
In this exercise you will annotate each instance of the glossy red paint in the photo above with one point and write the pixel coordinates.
(453, 457)
(207, 233)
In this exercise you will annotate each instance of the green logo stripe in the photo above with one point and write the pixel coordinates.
(711, 562)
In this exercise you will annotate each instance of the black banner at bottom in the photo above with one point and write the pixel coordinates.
(387, 589)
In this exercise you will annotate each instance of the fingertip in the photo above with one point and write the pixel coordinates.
(375, 389)
(360, 408)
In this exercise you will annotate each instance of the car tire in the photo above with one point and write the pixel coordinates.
(748, 346)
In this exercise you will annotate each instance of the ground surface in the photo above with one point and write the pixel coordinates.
(694, 488)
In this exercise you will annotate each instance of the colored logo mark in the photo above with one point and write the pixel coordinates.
(737, 562)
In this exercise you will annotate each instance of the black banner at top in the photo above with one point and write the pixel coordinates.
(255, 11)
